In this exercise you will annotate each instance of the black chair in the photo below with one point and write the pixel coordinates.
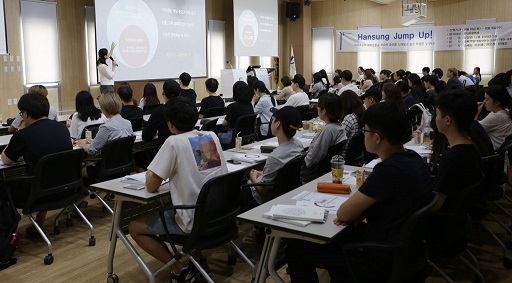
(93, 128)
(136, 123)
(324, 165)
(115, 161)
(148, 109)
(214, 112)
(355, 154)
(244, 128)
(303, 110)
(56, 184)
(448, 232)
(210, 126)
(405, 267)
(257, 129)
(214, 220)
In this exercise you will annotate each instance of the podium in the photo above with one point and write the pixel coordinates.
(228, 78)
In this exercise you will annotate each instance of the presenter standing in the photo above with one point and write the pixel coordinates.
(106, 72)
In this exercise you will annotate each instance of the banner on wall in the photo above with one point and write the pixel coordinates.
(435, 38)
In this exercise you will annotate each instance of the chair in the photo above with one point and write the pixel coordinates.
(355, 154)
(303, 110)
(56, 184)
(411, 239)
(244, 128)
(448, 231)
(136, 123)
(214, 221)
(93, 128)
(210, 126)
(115, 162)
(214, 112)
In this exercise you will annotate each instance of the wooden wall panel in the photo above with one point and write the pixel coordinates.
(393, 61)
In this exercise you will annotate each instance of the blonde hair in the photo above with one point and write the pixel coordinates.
(110, 103)
(454, 71)
(38, 89)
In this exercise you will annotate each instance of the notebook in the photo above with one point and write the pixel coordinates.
(249, 157)
(304, 213)
(138, 179)
(270, 215)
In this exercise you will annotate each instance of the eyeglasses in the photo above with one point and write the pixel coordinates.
(370, 131)
(21, 113)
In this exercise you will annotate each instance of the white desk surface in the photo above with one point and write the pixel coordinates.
(115, 186)
(4, 140)
(323, 232)
(219, 122)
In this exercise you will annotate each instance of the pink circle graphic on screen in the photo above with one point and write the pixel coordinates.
(134, 46)
(248, 37)
(248, 28)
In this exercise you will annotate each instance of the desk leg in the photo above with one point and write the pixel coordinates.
(119, 233)
(272, 258)
(261, 272)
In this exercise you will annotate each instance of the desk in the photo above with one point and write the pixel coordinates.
(276, 230)
(219, 122)
(142, 196)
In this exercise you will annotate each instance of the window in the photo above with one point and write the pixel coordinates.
(216, 48)
(323, 49)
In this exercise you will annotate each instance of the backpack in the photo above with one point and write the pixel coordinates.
(426, 117)
(9, 219)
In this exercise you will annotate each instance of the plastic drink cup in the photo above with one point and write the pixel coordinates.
(88, 136)
(238, 143)
(359, 177)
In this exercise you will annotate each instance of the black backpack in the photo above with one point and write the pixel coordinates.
(9, 218)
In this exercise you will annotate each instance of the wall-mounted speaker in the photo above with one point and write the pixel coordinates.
(292, 10)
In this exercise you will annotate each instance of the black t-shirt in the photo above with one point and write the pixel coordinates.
(236, 110)
(131, 112)
(156, 123)
(189, 93)
(210, 102)
(401, 184)
(41, 138)
(458, 168)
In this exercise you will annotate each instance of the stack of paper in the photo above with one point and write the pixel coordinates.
(293, 213)
(270, 215)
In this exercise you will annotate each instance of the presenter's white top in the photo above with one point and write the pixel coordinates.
(106, 74)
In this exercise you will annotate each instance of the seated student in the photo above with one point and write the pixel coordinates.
(284, 124)
(39, 137)
(329, 111)
(262, 102)
(242, 106)
(86, 114)
(397, 187)
(185, 179)
(129, 110)
(352, 111)
(498, 123)
(156, 123)
(17, 124)
(213, 99)
(287, 90)
(186, 91)
(299, 97)
(372, 96)
(149, 99)
(116, 127)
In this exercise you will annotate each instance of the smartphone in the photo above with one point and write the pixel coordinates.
(133, 187)
(233, 161)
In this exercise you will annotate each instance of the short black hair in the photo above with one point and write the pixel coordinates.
(35, 105)
(346, 74)
(185, 78)
(182, 113)
(389, 121)
(212, 84)
(400, 73)
(426, 69)
(332, 104)
(499, 93)
(125, 92)
(299, 79)
(386, 72)
(171, 89)
(438, 72)
(504, 77)
(460, 106)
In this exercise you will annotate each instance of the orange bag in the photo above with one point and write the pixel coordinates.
(333, 188)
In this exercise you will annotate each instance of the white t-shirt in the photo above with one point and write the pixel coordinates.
(351, 87)
(189, 160)
(106, 74)
(498, 126)
(77, 125)
(298, 99)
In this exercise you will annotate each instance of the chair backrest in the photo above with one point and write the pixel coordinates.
(303, 110)
(245, 125)
(116, 159)
(324, 165)
(494, 175)
(210, 125)
(136, 123)
(218, 206)
(215, 111)
(148, 109)
(288, 177)
(57, 182)
(93, 128)
(355, 150)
